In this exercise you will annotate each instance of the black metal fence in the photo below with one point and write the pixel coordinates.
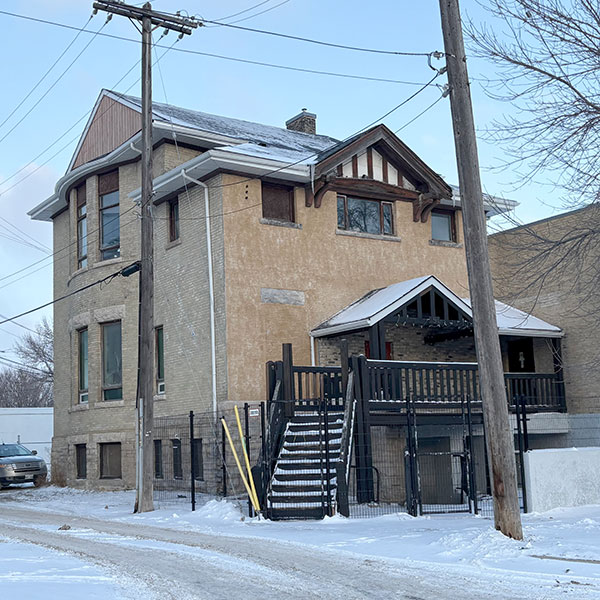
(193, 460)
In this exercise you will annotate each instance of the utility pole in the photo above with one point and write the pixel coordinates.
(500, 445)
(145, 399)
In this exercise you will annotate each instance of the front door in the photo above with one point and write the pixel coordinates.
(520, 356)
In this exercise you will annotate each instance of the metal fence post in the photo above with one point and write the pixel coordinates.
(192, 462)
(224, 460)
(247, 442)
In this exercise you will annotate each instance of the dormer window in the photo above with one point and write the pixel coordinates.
(365, 216)
(443, 225)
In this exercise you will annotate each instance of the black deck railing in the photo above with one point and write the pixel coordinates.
(446, 382)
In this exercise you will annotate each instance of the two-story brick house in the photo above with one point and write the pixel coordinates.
(262, 236)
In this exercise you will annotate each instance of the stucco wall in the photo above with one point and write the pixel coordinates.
(562, 477)
(331, 269)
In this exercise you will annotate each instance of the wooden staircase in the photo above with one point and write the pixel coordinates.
(304, 483)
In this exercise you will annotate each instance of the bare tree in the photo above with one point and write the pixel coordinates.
(548, 61)
(36, 350)
(30, 383)
(22, 388)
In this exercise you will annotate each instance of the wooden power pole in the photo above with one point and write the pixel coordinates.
(500, 444)
(149, 20)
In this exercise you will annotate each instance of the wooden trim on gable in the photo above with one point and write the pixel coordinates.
(113, 124)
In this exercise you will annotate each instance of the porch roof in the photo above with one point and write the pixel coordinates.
(378, 304)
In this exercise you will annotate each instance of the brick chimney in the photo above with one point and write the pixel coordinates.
(305, 122)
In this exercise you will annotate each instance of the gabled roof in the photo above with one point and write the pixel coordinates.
(239, 131)
(378, 304)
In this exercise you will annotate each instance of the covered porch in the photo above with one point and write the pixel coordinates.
(427, 330)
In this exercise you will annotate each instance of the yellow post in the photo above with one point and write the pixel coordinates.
(239, 466)
(239, 424)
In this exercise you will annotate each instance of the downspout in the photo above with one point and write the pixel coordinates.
(312, 351)
(211, 290)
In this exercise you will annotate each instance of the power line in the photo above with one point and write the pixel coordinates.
(241, 12)
(229, 58)
(54, 84)
(48, 71)
(22, 366)
(106, 279)
(262, 12)
(318, 42)
(420, 114)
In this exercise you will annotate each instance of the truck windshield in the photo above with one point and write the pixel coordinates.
(13, 450)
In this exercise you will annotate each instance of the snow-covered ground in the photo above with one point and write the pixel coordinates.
(28, 572)
(561, 548)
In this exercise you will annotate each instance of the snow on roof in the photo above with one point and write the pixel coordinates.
(236, 128)
(379, 303)
(510, 318)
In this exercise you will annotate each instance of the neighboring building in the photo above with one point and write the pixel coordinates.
(31, 427)
(300, 226)
(550, 268)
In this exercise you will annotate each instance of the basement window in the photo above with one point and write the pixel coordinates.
(81, 461)
(110, 461)
(177, 464)
(278, 202)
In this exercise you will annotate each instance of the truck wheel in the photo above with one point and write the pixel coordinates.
(39, 480)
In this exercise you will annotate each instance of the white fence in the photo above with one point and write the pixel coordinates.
(562, 477)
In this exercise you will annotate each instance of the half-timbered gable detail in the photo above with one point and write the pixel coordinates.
(378, 165)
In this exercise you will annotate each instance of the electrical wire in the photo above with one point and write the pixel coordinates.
(229, 58)
(262, 12)
(48, 71)
(241, 12)
(90, 232)
(318, 42)
(420, 114)
(106, 279)
(22, 366)
(54, 84)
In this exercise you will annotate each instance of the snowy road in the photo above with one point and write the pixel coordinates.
(153, 562)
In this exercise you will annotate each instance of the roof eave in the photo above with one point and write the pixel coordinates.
(217, 159)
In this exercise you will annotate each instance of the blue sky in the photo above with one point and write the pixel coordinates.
(249, 92)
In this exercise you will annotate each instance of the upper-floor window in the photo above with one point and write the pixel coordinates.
(81, 227)
(278, 202)
(108, 203)
(112, 367)
(366, 216)
(82, 351)
(174, 220)
(443, 225)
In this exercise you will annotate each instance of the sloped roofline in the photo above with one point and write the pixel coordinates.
(414, 287)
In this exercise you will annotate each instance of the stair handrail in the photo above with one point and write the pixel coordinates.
(343, 464)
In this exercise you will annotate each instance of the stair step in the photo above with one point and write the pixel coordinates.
(299, 501)
(284, 475)
(299, 486)
(303, 418)
(304, 514)
(311, 457)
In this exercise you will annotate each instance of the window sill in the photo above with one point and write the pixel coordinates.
(445, 244)
(173, 244)
(368, 236)
(277, 223)
(159, 397)
(108, 261)
(108, 403)
(79, 407)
